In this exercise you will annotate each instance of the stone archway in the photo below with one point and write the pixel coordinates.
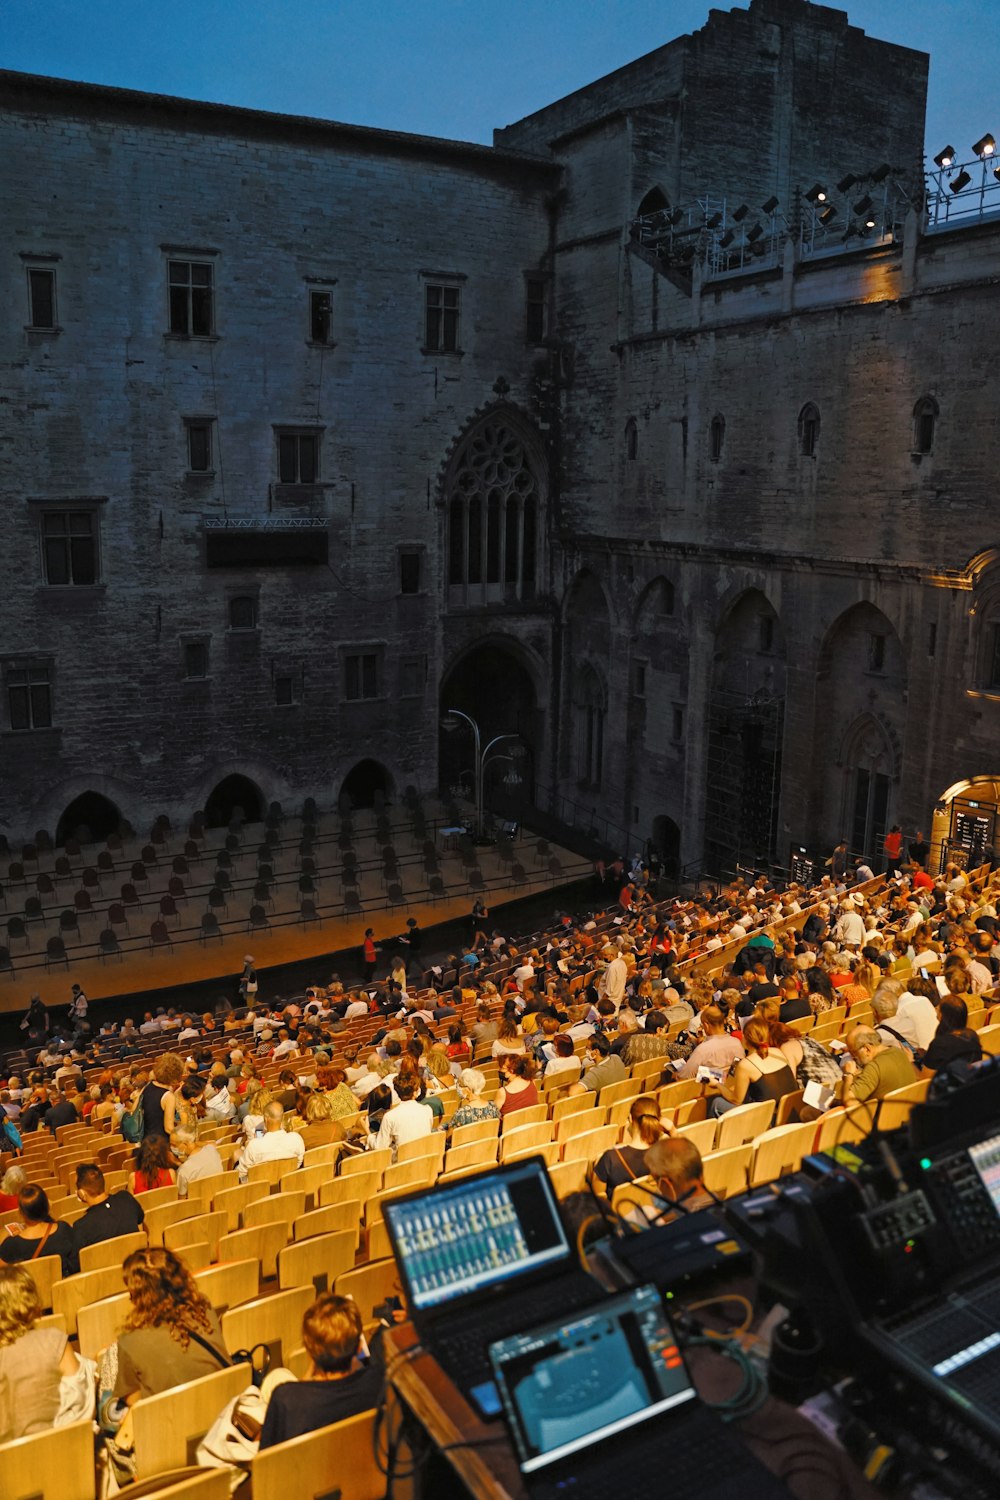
(965, 823)
(493, 686)
(89, 818)
(367, 784)
(233, 796)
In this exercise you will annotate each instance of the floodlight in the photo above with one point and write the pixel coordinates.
(881, 173)
(829, 213)
(846, 183)
(945, 158)
(714, 221)
(741, 212)
(769, 206)
(958, 183)
(816, 194)
(985, 147)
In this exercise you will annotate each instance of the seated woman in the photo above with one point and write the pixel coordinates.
(518, 1090)
(152, 1166)
(32, 1360)
(40, 1234)
(11, 1183)
(763, 1074)
(458, 1049)
(338, 1384)
(378, 1101)
(333, 1082)
(953, 1042)
(473, 1108)
(321, 1129)
(509, 1039)
(172, 1334)
(624, 1163)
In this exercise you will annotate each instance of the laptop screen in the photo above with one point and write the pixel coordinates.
(476, 1233)
(567, 1385)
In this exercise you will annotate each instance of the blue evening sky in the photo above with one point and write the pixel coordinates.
(444, 67)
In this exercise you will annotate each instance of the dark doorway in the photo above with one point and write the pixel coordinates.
(367, 785)
(89, 818)
(667, 842)
(235, 795)
(494, 689)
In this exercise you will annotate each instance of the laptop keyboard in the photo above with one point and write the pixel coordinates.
(705, 1459)
(462, 1347)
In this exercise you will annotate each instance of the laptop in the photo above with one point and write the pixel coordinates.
(482, 1257)
(602, 1400)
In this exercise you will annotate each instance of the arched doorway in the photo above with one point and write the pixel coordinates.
(666, 841)
(964, 826)
(234, 795)
(368, 784)
(495, 689)
(89, 818)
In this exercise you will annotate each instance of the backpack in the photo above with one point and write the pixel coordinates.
(133, 1124)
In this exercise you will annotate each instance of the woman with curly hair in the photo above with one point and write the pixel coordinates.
(152, 1166)
(32, 1360)
(172, 1333)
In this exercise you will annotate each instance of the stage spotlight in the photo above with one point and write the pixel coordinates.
(846, 183)
(675, 218)
(945, 158)
(828, 215)
(713, 222)
(985, 147)
(996, 173)
(881, 173)
(727, 239)
(740, 213)
(754, 234)
(816, 194)
(769, 206)
(863, 205)
(958, 183)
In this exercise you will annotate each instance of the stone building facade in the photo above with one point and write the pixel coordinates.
(309, 433)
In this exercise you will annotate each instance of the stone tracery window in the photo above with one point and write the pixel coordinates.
(493, 515)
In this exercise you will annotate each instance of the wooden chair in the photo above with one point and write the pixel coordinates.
(59, 1462)
(45, 1272)
(468, 1135)
(788, 1107)
(360, 1186)
(548, 1151)
(282, 1208)
(578, 1122)
(612, 1093)
(230, 1284)
(270, 1172)
(333, 1460)
(472, 1154)
(989, 1040)
(157, 1219)
(673, 1094)
(726, 1172)
(841, 1127)
(306, 1180)
(649, 1072)
(260, 1243)
(420, 1172)
(111, 1252)
(370, 1285)
(100, 1323)
(524, 1137)
(428, 1145)
(157, 1197)
(744, 1123)
(318, 1261)
(780, 1150)
(275, 1321)
(702, 1133)
(590, 1144)
(189, 1483)
(74, 1292)
(369, 1161)
(169, 1427)
(318, 1156)
(203, 1189)
(330, 1220)
(569, 1176)
(201, 1229)
(690, 1111)
(573, 1105)
(233, 1200)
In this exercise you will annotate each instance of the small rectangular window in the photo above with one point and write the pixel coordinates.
(196, 659)
(876, 653)
(320, 317)
(766, 629)
(534, 308)
(69, 539)
(932, 639)
(29, 697)
(360, 676)
(191, 285)
(41, 298)
(199, 446)
(409, 572)
(639, 679)
(284, 691)
(298, 457)
(243, 612)
(677, 723)
(442, 306)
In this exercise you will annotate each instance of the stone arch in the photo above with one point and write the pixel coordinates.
(653, 202)
(666, 839)
(966, 822)
(859, 750)
(91, 817)
(496, 684)
(983, 666)
(657, 602)
(234, 795)
(495, 491)
(367, 784)
(589, 697)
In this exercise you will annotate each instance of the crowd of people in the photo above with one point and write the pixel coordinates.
(720, 989)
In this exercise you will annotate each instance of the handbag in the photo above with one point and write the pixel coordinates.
(259, 1365)
(233, 1440)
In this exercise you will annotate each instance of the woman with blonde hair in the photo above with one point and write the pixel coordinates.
(321, 1128)
(172, 1333)
(259, 1096)
(32, 1360)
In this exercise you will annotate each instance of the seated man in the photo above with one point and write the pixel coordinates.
(338, 1384)
(195, 1159)
(107, 1214)
(676, 1164)
(601, 1066)
(276, 1144)
(409, 1120)
(873, 1069)
(719, 1050)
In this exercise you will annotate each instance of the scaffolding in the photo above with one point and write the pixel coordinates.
(743, 781)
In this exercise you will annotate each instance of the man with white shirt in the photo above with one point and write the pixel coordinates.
(409, 1120)
(615, 977)
(357, 1008)
(850, 928)
(276, 1144)
(286, 1047)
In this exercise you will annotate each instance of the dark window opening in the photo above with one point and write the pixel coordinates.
(190, 297)
(535, 296)
(631, 440)
(766, 627)
(677, 724)
(298, 458)
(924, 423)
(717, 438)
(876, 653)
(639, 679)
(475, 574)
(361, 676)
(266, 549)
(809, 432)
(409, 573)
(494, 521)
(70, 547)
(42, 299)
(284, 691)
(932, 639)
(199, 442)
(243, 612)
(442, 304)
(29, 698)
(196, 659)
(993, 663)
(320, 317)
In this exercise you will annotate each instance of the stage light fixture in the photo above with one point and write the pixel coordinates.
(740, 213)
(816, 194)
(863, 205)
(754, 234)
(769, 206)
(996, 173)
(985, 147)
(881, 172)
(829, 213)
(713, 221)
(945, 158)
(846, 183)
(675, 218)
(958, 183)
(727, 239)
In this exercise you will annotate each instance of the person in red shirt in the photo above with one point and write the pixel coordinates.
(370, 955)
(892, 846)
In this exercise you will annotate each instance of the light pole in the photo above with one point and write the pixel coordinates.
(482, 754)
